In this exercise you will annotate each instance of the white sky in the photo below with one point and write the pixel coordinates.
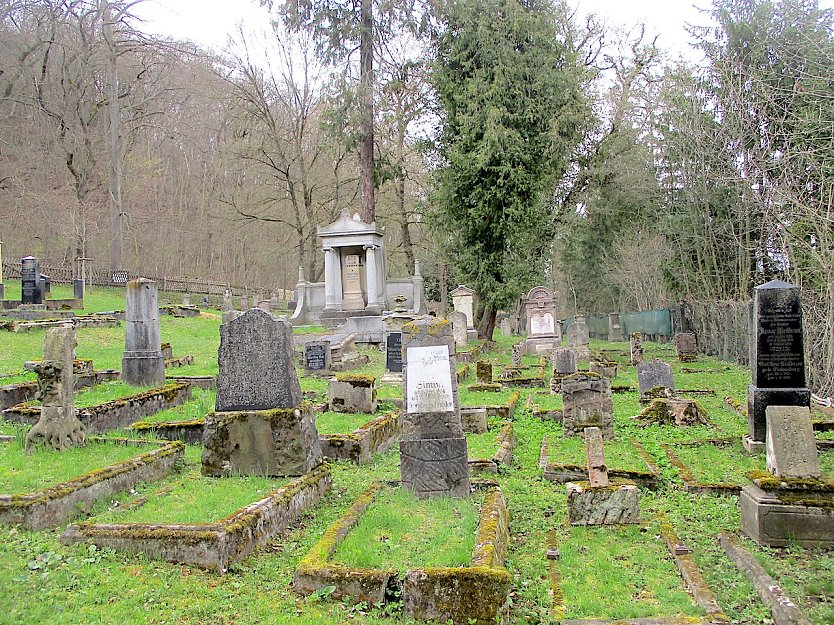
(209, 22)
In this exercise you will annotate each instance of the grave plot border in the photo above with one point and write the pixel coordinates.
(374, 437)
(79, 321)
(691, 577)
(506, 411)
(475, 594)
(55, 505)
(564, 473)
(502, 457)
(114, 414)
(189, 431)
(212, 546)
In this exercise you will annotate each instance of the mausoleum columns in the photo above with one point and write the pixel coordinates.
(371, 276)
(332, 279)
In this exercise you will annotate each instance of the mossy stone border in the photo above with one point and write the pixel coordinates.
(213, 546)
(55, 505)
(374, 437)
(475, 594)
(502, 457)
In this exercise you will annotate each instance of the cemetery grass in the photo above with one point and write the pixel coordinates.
(187, 497)
(399, 532)
(202, 403)
(619, 454)
(25, 473)
(48, 582)
(342, 422)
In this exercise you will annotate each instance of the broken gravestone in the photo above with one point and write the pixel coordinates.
(636, 342)
(352, 393)
(57, 427)
(586, 400)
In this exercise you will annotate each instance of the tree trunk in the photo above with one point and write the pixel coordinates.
(487, 324)
(117, 215)
(366, 161)
(441, 285)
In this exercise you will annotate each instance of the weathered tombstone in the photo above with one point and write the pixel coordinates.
(265, 304)
(57, 427)
(352, 393)
(244, 303)
(260, 426)
(654, 374)
(483, 372)
(143, 363)
(544, 332)
(317, 356)
(794, 506)
(615, 330)
(474, 420)
(686, 346)
(273, 301)
(579, 338)
(597, 502)
(433, 457)
(506, 327)
(186, 299)
(463, 300)
(778, 358)
(564, 361)
(791, 446)
(78, 288)
(459, 330)
(586, 399)
(636, 348)
(30, 274)
(227, 301)
(603, 367)
(516, 355)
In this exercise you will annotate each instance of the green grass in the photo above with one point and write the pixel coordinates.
(713, 464)
(482, 445)
(202, 403)
(400, 532)
(619, 454)
(191, 498)
(633, 575)
(341, 422)
(25, 473)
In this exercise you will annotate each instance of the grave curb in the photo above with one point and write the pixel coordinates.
(217, 545)
(57, 504)
(476, 594)
(375, 436)
(502, 457)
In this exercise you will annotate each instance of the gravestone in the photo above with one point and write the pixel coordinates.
(778, 357)
(597, 502)
(228, 315)
(516, 355)
(579, 338)
(791, 446)
(459, 329)
(463, 300)
(352, 283)
(393, 352)
(544, 331)
(142, 363)
(564, 361)
(227, 301)
(615, 330)
(317, 356)
(636, 342)
(259, 426)
(483, 372)
(256, 371)
(352, 393)
(686, 346)
(78, 289)
(186, 299)
(433, 457)
(586, 399)
(506, 327)
(30, 274)
(264, 304)
(244, 303)
(58, 426)
(393, 340)
(653, 374)
(474, 420)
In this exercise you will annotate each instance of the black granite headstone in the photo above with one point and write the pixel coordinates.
(316, 357)
(30, 281)
(393, 352)
(78, 289)
(778, 356)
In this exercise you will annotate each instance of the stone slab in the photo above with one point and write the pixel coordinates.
(791, 448)
(768, 520)
(435, 467)
(608, 505)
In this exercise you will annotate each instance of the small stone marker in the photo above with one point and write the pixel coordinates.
(459, 329)
(597, 471)
(636, 348)
(686, 346)
(506, 327)
(474, 420)
(433, 458)
(791, 446)
(586, 399)
(143, 363)
(255, 360)
(778, 358)
(352, 393)
(58, 426)
(653, 374)
(517, 355)
(317, 356)
(615, 330)
(483, 372)
(564, 361)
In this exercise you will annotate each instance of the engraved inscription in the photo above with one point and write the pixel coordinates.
(780, 360)
(429, 380)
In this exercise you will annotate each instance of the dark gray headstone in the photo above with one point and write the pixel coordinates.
(393, 352)
(143, 363)
(30, 275)
(317, 356)
(653, 374)
(78, 289)
(778, 356)
(255, 360)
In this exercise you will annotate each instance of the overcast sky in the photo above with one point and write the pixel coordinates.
(209, 22)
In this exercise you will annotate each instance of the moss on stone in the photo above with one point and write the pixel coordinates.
(357, 380)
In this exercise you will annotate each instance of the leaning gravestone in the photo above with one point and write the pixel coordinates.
(654, 374)
(57, 427)
(433, 457)
(30, 275)
(586, 399)
(791, 446)
(260, 426)
(778, 358)
(459, 330)
(143, 363)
